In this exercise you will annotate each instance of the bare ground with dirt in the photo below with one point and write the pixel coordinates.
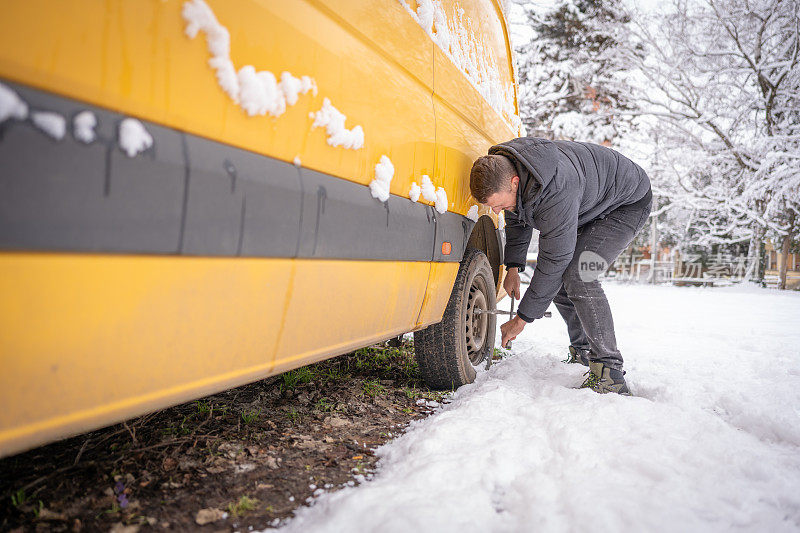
(243, 458)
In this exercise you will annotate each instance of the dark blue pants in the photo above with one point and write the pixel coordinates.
(581, 300)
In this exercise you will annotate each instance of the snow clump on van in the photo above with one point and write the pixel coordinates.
(259, 92)
(414, 192)
(384, 172)
(11, 105)
(53, 124)
(133, 138)
(333, 120)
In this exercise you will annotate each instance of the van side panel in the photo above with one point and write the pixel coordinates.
(94, 334)
(135, 58)
(466, 125)
(88, 340)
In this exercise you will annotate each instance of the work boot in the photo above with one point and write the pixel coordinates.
(603, 379)
(577, 355)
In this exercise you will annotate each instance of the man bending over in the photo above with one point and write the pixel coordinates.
(588, 203)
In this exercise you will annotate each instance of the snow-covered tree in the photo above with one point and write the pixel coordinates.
(571, 79)
(720, 80)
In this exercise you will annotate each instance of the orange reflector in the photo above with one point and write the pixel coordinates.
(446, 248)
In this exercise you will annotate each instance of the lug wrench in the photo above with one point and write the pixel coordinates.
(511, 313)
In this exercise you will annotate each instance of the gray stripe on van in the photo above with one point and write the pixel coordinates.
(188, 195)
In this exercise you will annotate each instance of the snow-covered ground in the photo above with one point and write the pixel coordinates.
(710, 442)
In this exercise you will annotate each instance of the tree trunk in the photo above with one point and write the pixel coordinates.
(787, 242)
(654, 243)
(630, 265)
(754, 253)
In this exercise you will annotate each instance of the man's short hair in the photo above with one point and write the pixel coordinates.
(490, 174)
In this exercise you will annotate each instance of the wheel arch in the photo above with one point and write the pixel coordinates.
(487, 238)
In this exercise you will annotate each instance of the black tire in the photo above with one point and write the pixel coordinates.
(449, 352)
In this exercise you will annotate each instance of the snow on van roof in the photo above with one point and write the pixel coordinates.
(468, 52)
(260, 93)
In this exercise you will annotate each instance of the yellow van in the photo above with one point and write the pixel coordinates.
(197, 194)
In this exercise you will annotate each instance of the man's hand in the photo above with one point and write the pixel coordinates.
(511, 329)
(511, 284)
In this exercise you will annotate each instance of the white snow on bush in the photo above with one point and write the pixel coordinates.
(133, 137)
(259, 93)
(11, 105)
(83, 126)
(709, 442)
(384, 172)
(441, 200)
(53, 124)
(427, 188)
(333, 120)
(472, 214)
(414, 192)
(469, 53)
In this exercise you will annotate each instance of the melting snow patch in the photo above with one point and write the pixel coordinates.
(198, 16)
(441, 200)
(472, 214)
(431, 193)
(414, 192)
(133, 138)
(83, 126)
(384, 172)
(52, 124)
(260, 92)
(333, 120)
(226, 76)
(427, 188)
(291, 87)
(11, 105)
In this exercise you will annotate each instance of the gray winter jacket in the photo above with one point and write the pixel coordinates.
(563, 185)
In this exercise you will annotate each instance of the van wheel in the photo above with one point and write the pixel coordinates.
(449, 352)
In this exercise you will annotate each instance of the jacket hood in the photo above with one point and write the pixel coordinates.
(538, 157)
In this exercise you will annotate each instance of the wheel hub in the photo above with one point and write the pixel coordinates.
(477, 324)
